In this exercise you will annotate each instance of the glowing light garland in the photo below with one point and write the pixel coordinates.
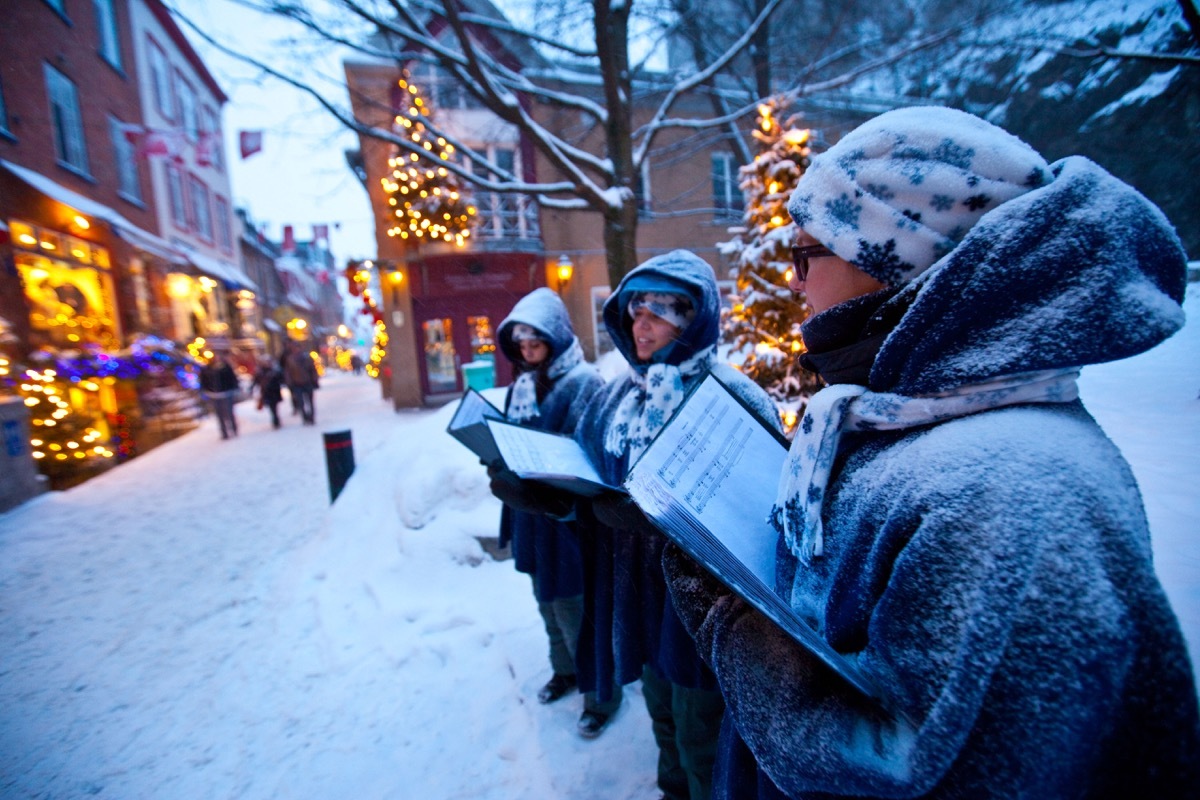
(423, 195)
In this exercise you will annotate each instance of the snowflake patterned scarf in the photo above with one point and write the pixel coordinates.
(650, 403)
(523, 405)
(849, 407)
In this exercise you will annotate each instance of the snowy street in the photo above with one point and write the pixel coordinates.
(198, 623)
(202, 623)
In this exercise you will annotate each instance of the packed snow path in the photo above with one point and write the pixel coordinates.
(200, 623)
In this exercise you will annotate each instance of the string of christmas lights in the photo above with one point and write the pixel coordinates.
(425, 199)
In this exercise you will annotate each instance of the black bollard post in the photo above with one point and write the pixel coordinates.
(339, 461)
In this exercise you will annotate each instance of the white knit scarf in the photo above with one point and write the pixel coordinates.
(523, 405)
(849, 407)
(649, 404)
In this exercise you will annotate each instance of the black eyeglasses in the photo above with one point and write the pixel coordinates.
(801, 255)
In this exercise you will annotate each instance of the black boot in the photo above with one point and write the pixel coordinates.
(592, 723)
(556, 687)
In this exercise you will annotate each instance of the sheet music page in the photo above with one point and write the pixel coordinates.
(532, 453)
(719, 462)
(473, 408)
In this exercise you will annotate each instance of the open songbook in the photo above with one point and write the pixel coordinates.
(469, 425)
(530, 453)
(708, 481)
(548, 457)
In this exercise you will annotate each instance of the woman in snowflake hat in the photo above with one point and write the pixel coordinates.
(950, 516)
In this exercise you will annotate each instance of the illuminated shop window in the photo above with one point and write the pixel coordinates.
(483, 343)
(68, 305)
(67, 287)
(441, 360)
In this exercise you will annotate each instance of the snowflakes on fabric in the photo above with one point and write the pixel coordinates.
(843, 212)
(951, 152)
(880, 260)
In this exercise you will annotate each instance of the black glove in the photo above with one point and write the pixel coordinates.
(529, 496)
(618, 511)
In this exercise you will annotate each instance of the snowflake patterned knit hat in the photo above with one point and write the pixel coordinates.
(900, 191)
(676, 309)
(522, 332)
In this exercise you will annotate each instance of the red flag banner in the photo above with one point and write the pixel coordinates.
(250, 142)
(154, 143)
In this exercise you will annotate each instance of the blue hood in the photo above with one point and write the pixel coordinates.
(544, 311)
(1083, 270)
(685, 273)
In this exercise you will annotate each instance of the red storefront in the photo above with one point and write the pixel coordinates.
(458, 301)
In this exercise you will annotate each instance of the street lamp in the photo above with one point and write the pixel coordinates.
(565, 269)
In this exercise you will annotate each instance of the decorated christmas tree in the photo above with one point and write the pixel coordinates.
(426, 200)
(359, 281)
(763, 327)
(65, 441)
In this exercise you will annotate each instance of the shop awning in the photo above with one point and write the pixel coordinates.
(226, 271)
(139, 238)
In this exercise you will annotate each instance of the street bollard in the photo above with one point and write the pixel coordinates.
(339, 461)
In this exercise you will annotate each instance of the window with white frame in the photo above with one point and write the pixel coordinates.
(201, 210)
(179, 214)
(503, 215)
(160, 74)
(441, 88)
(125, 157)
(221, 212)
(210, 125)
(69, 143)
(727, 195)
(185, 100)
(106, 23)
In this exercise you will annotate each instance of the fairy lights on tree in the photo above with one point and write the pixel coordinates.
(64, 440)
(763, 326)
(426, 200)
(75, 430)
(358, 278)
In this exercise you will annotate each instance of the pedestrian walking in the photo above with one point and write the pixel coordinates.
(950, 516)
(219, 384)
(300, 373)
(269, 382)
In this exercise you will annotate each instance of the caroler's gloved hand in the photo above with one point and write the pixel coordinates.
(529, 496)
(694, 591)
(618, 511)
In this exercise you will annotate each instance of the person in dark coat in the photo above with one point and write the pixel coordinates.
(300, 374)
(552, 386)
(950, 516)
(269, 381)
(219, 384)
(664, 318)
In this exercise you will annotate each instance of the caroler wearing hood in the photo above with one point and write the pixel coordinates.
(631, 630)
(552, 386)
(951, 517)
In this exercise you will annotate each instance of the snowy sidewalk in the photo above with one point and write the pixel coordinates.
(200, 623)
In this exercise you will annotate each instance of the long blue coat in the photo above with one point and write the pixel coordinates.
(543, 548)
(629, 619)
(993, 572)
